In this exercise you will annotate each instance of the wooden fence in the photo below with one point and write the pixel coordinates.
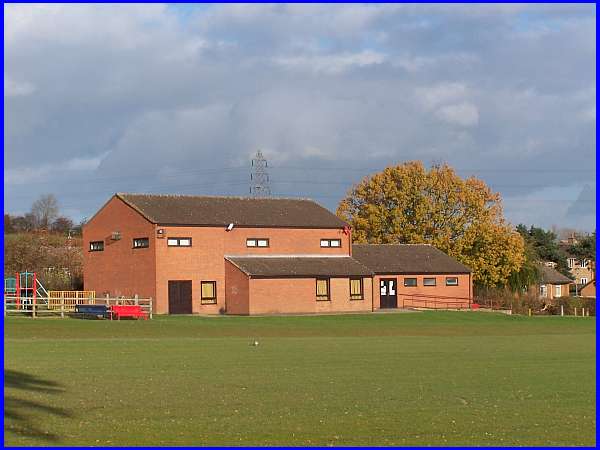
(68, 299)
(65, 307)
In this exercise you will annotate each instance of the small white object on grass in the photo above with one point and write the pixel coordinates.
(254, 343)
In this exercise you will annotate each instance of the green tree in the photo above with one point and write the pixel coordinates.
(544, 244)
(585, 247)
(462, 217)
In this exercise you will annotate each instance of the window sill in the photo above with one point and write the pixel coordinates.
(323, 299)
(208, 302)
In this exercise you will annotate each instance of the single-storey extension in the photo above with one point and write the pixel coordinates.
(415, 275)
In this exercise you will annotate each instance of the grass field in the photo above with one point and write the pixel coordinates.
(434, 378)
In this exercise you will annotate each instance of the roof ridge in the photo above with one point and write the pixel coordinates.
(238, 197)
(430, 245)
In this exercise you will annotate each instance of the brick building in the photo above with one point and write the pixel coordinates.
(209, 255)
(553, 284)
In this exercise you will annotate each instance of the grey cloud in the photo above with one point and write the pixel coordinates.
(166, 103)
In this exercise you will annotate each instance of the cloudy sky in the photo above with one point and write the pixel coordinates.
(176, 98)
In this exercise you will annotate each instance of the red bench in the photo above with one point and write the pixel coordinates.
(134, 311)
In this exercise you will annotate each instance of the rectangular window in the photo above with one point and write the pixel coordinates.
(356, 289)
(429, 281)
(571, 262)
(257, 242)
(543, 291)
(584, 263)
(97, 246)
(141, 243)
(584, 280)
(322, 289)
(208, 292)
(410, 282)
(451, 281)
(557, 291)
(326, 243)
(179, 242)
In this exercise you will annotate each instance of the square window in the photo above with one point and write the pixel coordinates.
(410, 282)
(335, 243)
(250, 242)
(172, 242)
(208, 292)
(451, 281)
(185, 242)
(323, 289)
(429, 281)
(263, 242)
(324, 242)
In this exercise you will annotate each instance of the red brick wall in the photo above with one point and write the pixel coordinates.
(119, 269)
(204, 260)
(298, 295)
(286, 241)
(416, 296)
(236, 290)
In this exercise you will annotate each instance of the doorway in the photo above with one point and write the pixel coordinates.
(180, 297)
(388, 295)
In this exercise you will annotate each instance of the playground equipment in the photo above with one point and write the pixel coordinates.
(25, 294)
(25, 289)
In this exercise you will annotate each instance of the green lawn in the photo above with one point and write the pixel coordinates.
(434, 378)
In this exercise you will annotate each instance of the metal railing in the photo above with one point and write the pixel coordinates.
(432, 302)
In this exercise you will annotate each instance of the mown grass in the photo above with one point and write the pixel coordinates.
(438, 378)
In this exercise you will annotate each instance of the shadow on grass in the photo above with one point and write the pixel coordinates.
(21, 416)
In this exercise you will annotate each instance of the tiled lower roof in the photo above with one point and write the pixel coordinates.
(299, 266)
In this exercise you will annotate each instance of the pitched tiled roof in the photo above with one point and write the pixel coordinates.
(299, 266)
(406, 258)
(553, 276)
(242, 211)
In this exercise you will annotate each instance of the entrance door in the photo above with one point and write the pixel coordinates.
(388, 296)
(180, 297)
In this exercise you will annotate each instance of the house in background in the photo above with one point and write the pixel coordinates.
(209, 255)
(553, 284)
(582, 269)
(415, 275)
(588, 290)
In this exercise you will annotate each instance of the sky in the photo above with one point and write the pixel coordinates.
(102, 98)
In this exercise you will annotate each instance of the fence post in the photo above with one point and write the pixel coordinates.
(562, 311)
(575, 311)
(62, 307)
(529, 312)
(33, 309)
(150, 307)
(136, 299)
(5, 306)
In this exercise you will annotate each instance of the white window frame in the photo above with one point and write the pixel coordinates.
(571, 262)
(331, 243)
(543, 291)
(583, 280)
(448, 283)
(178, 242)
(558, 290)
(257, 242)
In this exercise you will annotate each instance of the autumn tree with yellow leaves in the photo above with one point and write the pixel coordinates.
(408, 204)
